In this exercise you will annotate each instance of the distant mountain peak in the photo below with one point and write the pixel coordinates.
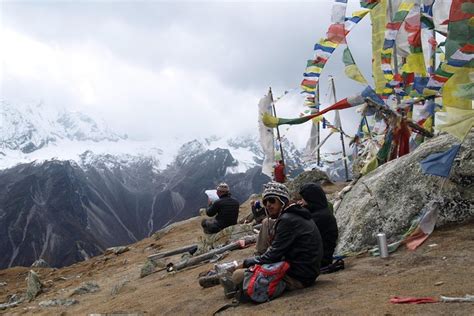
(31, 127)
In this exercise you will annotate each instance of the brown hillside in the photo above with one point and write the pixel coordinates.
(444, 265)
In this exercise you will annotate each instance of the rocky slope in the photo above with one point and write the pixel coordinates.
(442, 266)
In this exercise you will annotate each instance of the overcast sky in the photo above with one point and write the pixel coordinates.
(156, 69)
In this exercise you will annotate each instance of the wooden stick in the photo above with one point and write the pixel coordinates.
(190, 249)
(209, 255)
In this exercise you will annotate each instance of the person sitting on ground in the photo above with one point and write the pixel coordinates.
(258, 212)
(314, 199)
(225, 210)
(279, 172)
(296, 240)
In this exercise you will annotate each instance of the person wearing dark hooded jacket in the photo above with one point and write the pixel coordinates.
(314, 199)
(296, 240)
(225, 211)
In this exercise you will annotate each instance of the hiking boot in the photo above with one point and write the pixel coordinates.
(229, 287)
(209, 281)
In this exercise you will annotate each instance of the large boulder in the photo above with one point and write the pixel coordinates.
(390, 197)
(314, 175)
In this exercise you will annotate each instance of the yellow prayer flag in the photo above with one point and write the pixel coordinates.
(269, 120)
(457, 122)
(415, 63)
(370, 166)
(317, 119)
(451, 87)
(353, 72)
(378, 17)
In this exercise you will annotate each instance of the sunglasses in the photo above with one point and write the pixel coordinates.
(270, 200)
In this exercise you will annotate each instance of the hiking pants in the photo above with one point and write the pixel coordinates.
(265, 235)
(291, 283)
(210, 226)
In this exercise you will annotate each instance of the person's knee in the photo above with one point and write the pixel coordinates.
(238, 276)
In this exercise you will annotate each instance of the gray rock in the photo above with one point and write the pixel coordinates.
(34, 285)
(206, 242)
(88, 287)
(13, 301)
(151, 266)
(40, 263)
(58, 302)
(118, 287)
(117, 250)
(389, 198)
(308, 176)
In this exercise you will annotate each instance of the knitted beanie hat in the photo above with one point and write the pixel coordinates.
(223, 187)
(278, 190)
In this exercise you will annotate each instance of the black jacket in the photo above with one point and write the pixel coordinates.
(227, 210)
(318, 206)
(297, 241)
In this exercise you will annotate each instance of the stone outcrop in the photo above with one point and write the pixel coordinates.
(34, 285)
(315, 175)
(40, 263)
(87, 287)
(389, 198)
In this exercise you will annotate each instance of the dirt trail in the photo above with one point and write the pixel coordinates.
(363, 288)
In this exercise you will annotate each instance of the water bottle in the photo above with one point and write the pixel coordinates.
(382, 242)
(226, 267)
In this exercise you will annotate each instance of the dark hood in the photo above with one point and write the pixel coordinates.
(298, 210)
(314, 195)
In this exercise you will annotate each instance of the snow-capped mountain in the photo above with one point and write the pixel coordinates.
(69, 187)
(29, 128)
(40, 133)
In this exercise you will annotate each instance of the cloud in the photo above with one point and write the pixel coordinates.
(164, 69)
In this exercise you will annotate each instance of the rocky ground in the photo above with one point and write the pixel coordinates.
(443, 265)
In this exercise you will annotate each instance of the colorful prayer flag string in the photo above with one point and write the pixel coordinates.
(392, 28)
(325, 47)
(447, 69)
(358, 99)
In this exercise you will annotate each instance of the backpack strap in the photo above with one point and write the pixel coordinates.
(234, 303)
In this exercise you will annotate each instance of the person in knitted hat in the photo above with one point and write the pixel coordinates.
(296, 240)
(272, 191)
(224, 211)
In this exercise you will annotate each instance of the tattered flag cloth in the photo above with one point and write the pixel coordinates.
(391, 32)
(413, 300)
(369, 4)
(266, 135)
(456, 122)
(439, 164)
(458, 60)
(272, 121)
(378, 16)
(351, 70)
(422, 227)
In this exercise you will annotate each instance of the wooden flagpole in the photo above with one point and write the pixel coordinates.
(278, 130)
(318, 126)
(341, 132)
